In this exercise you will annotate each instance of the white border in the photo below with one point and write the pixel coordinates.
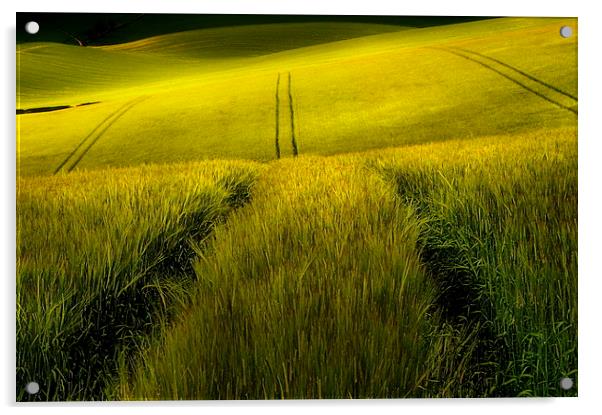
(372, 7)
(590, 144)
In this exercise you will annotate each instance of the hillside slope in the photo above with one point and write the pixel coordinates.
(385, 90)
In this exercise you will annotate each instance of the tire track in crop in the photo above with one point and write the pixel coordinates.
(66, 160)
(518, 77)
(277, 117)
(531, 77)
(291, 112)
(96, 133)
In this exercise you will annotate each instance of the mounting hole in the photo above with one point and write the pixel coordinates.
(566, 383)
(566, 31)
(32, 27)
(32, 388)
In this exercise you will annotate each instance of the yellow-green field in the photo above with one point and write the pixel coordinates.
(300, 210)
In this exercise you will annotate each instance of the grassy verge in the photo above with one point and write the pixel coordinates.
(100, 256)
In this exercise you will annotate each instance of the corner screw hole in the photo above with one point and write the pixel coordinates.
(32, 28)
(32, 388)
(566, 383)
(566, 31)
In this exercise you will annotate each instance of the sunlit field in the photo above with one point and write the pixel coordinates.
(299, 210)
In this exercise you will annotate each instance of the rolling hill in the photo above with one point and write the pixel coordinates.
(197, 105)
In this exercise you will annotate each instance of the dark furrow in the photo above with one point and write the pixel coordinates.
(108, 125)
(531, 77)
(517, 82)
(277, 117)
(290, 103)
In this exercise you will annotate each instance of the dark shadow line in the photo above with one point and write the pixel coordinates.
(290, 103)
(42, 109)
(539, 94)
(50, 109)
(277, 117)
(107, 126)
(531, 77)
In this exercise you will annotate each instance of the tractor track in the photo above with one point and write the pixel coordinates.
(277, 117)
(518, 77)
(531, 77)
(96, 134)
(290, 107)
(292, 112)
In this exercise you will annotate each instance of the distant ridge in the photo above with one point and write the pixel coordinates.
(111, 28)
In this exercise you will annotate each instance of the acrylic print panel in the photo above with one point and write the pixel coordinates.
(299, 207)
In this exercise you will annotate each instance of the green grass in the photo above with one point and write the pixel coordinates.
(113, 243)
(314, 291)
(332, 294)
(500, 236)
(423, 243)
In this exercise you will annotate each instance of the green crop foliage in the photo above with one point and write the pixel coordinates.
(98, 253)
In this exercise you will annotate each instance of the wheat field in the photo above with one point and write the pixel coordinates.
(300, 211)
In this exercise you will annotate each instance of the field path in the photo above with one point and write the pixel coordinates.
(526, 81)
(96, 133)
